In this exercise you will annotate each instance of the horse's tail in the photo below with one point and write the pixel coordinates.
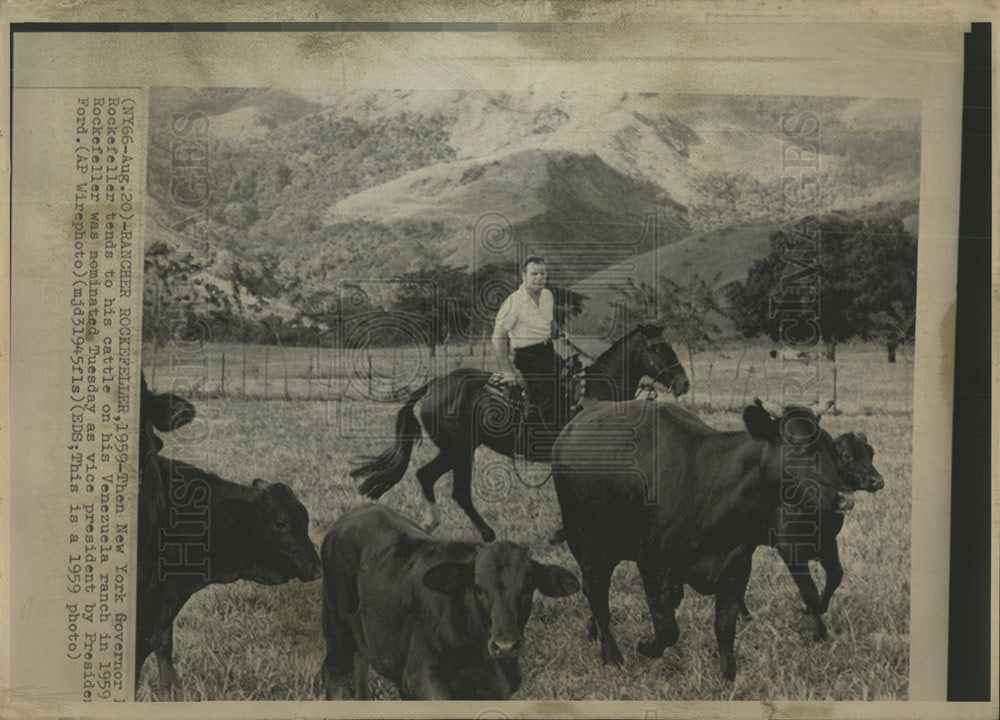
(380, 473)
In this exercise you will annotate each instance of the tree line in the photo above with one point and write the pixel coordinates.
(863, 275)
(855, 278)
(254, 301)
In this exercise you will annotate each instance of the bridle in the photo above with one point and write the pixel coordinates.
(659, 371)
(581, 373)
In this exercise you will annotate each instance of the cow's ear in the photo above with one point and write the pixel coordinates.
(862, 437)
(450, 577)
(761, 425)
(553, 580)
(260, 483)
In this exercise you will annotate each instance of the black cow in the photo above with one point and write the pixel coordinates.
(163, 412)
(440, 619)
(651, 482)
(215, 531)
(801, 537)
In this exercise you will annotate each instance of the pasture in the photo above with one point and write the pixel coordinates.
(250, 642)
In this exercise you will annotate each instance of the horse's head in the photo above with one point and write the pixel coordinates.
(659, 361)
(641, 352)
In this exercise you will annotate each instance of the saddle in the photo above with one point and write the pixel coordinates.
(536, 428)
(513, 395)
(510, 393)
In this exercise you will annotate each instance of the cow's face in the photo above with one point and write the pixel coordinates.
(163, 412)
(281, 530)
(501, 586)
(166, 411)
(854, 456)
(801, 457)
(660, 362)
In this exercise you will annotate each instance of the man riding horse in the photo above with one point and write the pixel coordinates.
(463, 409)
(522, 341)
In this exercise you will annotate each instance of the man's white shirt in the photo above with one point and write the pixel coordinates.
(526, 322)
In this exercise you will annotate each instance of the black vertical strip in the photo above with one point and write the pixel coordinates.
(969, 634)
(10, 195)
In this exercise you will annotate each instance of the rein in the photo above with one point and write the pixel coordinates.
(524, 482)
(579, 350)
(657, 376)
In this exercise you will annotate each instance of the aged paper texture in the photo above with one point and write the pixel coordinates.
(290, 229)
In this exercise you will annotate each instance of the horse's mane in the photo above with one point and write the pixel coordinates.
(604, 356)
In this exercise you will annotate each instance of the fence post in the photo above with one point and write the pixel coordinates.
(835, 408)
(284, 362)
(710, 366)
(267, 374)
(767, 382)
(223, 389)
(906, 381)
(736, 379)
(691, 397)
(329, 383)
(369, 374)
(746, 382)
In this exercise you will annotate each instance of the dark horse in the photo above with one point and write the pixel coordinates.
(460, 414)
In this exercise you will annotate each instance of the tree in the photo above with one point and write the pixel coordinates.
(830, 276)
(455, 304)
(690, 314)
(437, 298)
(491, 284)
(896, 326)
(178, 302)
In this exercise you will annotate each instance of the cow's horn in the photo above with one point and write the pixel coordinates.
(829, 404)
(760, 403)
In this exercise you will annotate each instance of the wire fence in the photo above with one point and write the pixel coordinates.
(861, 381)
(268, 372)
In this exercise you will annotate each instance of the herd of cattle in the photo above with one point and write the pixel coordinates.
(642, 481)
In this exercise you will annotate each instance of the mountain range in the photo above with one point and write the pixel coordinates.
(323, 188)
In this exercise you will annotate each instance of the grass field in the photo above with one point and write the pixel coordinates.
(249, 642)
